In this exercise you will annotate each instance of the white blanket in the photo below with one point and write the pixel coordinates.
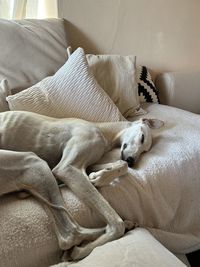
(160, 194)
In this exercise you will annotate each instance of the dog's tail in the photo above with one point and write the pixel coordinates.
(45, 201)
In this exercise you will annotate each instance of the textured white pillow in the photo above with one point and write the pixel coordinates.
(117, 76)
(71, 92)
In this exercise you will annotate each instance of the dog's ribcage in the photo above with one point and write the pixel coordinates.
(46, 137)
(28, 133)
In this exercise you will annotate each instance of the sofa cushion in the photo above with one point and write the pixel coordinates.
(71, 92)
(137, 248)
(31, 50)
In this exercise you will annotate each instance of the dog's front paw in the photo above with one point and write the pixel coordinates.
(97, 179)
(93, 175)
(98, 182)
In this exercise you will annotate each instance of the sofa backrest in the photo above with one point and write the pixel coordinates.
(31, 50)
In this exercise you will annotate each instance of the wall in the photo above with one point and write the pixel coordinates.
(164, 34)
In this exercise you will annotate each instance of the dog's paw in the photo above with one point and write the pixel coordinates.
(107, 175)
(98, 182)
(93, 176)
(121, 166)
(97, 178)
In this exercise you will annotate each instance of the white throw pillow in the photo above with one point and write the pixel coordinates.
(117, 76)
(71, 92)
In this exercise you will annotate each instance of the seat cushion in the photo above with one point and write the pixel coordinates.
(138, 248)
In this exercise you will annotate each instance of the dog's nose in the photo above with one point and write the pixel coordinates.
(130, 161)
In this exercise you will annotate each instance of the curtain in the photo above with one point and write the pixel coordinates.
(20, 9)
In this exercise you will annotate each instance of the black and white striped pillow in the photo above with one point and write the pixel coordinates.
(146, 88)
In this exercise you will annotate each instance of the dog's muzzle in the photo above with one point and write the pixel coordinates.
(130, 160)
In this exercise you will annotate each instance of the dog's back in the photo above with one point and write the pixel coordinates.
(25, 131)
(45, 136)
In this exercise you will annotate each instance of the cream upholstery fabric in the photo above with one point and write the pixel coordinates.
(117, 76)
(31, 50)
(71, 92)
(161, 194)
(180, 89)
(4, 92)
(138, 248)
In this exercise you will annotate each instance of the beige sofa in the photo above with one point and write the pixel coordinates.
(32, 50)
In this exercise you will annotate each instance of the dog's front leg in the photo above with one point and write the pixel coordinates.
(103, 174)
(79, 183)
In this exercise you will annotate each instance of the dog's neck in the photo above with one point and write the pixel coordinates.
(113, 132)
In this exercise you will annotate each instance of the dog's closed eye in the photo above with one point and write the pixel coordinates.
(142, 139)
(124, 146)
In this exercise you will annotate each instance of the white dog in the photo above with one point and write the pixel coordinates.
(36, 149)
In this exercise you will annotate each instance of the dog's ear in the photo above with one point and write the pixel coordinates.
(153, 123)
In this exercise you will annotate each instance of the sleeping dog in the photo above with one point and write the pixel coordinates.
(37, 150)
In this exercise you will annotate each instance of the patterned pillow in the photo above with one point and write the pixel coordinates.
(71, 92)
(146, 88)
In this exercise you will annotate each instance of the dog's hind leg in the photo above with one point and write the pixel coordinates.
(103, 174)
(26, 171)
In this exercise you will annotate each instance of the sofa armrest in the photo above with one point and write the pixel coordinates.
(180, 89)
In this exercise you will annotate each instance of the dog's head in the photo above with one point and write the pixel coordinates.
(138, 139)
